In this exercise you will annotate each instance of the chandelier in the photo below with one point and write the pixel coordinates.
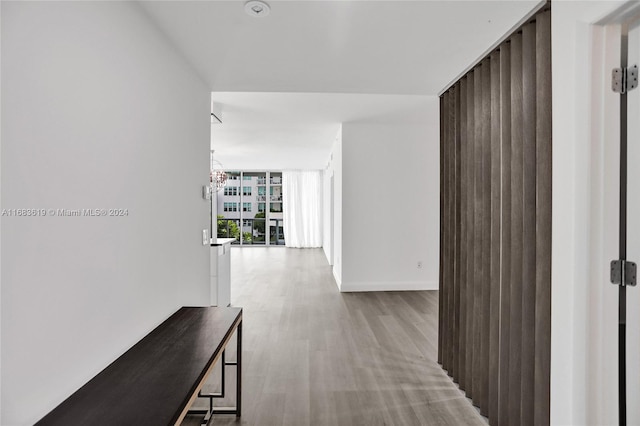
(218, 176)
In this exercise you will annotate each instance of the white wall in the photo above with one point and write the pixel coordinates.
(97, 112)
(334, 169)
(633, 232)
(585, 188)
(327, 204)
(633, 242)
(327, 213)
(390, 204)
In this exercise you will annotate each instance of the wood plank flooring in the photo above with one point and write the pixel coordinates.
(314, 356)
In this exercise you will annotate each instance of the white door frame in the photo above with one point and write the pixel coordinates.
(585, 47)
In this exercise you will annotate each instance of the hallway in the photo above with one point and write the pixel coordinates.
(314, 356)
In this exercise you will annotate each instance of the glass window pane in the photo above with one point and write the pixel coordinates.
(242, 208)
(228, 223)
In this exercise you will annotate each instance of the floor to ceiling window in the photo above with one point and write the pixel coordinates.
(242, 208)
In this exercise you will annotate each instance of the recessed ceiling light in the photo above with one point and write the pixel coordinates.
(257, 8)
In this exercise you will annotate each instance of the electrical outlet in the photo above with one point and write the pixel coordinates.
(419, 264)
(206, 192)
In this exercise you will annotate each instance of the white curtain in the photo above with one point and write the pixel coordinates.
(302, 208)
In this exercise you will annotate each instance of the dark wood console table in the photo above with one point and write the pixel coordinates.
(156, 381)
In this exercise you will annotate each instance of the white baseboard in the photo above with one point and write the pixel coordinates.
(388, 286)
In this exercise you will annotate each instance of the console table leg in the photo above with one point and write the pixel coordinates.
(239, 371)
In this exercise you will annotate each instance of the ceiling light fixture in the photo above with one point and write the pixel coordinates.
(256, 8)
(218, 176)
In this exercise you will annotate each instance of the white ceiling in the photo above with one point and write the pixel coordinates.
(322, 47)
(297, 130)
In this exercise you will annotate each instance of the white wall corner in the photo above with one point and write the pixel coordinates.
(336, 276)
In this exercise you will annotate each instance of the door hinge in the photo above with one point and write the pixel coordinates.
(623, 272)
(624, 80)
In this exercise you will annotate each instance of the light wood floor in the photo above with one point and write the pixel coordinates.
(314, 356)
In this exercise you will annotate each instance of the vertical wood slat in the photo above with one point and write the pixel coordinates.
(505, 287)
(486, 230)
(464, 245)
(447, 220)
(528, 222)
(515, 316)
(478, 219)
(441, 287)
(446, 241)
(442, 260)
(470, 193)
(451, 229)
(443, 282)
(456, 207)
(543, 221)
(494, 278)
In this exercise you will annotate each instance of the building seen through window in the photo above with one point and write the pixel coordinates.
(243, 212)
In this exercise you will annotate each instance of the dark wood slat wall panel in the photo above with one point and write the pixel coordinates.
(543, 221)
(505, 283)
(528, 222)
(464, 244)
(515, 317)
(471, 277)
(495, 277)
(478, 272)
